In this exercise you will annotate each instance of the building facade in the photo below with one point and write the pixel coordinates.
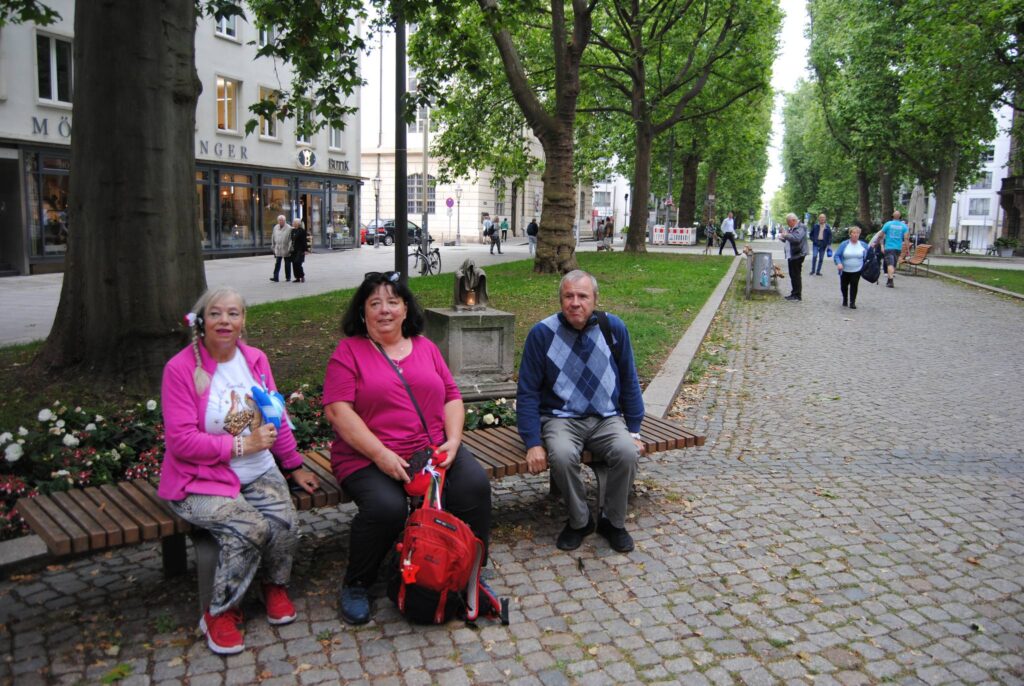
(243, 181)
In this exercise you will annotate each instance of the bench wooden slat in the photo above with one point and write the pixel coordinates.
(492, 466)
(149, 528)
(156, 512)
(113, 533)
(510, 449)
(97, 536)
(79, 537)
(683, 437)
(57, 540)
(655, 439)
(180, 525)
(130, 530)
(328, 486)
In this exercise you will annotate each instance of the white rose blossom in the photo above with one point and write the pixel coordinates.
(150, 405)
(488, 418)
(13, 452)
(60, 423)
(99, 418)
(70, 441)
(90, 427)
(22, 431)
(6, 437)
(46, 415)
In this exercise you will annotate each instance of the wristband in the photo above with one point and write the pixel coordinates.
(238, 446)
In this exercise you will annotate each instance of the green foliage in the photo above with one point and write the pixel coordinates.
(23, 11)
(1007, 242)
(490, 414)
(1007, 279)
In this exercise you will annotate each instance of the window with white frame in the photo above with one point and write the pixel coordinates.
(420, 123)
(499, 196)
(268, 123)
(988, 154)
(227, 103)
(304, 116)
(984, 181)
(53, 68)
(267, 35)
(602, 198)
(415, 190)
(978, 206)
(336, 140)
(228, 27)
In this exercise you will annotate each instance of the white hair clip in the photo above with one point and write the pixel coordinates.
(190, 319)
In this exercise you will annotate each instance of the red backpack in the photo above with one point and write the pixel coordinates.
(439, 560)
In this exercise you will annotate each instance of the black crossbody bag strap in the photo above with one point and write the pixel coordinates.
(408, 390)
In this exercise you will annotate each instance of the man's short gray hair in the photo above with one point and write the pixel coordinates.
(792, 216)
(577, 275)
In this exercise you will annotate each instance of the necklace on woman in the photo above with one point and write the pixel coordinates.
(398, 353)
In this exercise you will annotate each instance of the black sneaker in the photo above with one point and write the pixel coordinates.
(619, 539)
(845, 304)
(571, 539)
(889, 284)
(793, 297)
(354, 605)
(853, 306)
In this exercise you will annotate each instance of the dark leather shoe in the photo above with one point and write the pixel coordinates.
(853, 306)
(571, 539)
(619, 539)
(354, 605)
(273, 279)
(793, 297)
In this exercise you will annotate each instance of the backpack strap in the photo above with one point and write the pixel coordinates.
(473, 586)
(606, 331)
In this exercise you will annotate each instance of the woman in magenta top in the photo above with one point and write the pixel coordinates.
(377, 428)
(223, 467)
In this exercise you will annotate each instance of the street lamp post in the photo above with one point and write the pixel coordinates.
(458, 215)
(376, 210)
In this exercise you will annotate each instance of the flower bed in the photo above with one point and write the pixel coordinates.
(66, 448)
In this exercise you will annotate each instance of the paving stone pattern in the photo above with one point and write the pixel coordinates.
(856, 517)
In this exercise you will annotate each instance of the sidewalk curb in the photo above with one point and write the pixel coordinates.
(21, 551)
(986, 287)
(662, 391)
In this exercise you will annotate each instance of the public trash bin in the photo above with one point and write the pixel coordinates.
(759, 273)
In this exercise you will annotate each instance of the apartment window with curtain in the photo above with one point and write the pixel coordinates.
(267, 35)
(227, 104)
(53, 69)
(984, 181)
(268, 124)
(978, 207)
(336, 140)
(227, 27)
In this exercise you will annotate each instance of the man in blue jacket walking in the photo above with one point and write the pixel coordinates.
(578, 390)
(821, 239)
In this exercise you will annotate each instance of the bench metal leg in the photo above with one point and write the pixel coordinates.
(207, 555)
(175, 555)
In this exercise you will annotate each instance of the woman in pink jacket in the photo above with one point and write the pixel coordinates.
(223, 465)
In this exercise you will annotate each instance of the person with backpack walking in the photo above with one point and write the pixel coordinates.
(578, 390)
(850, 258)
(378, 430)
(531, 233)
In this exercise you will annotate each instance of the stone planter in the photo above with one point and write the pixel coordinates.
(1005, 252)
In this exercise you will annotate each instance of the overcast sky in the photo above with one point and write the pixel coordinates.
(790, 65)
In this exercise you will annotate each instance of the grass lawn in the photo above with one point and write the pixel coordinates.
(657, 295)
(1007, 279)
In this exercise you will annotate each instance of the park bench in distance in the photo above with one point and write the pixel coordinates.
(101, 517)
(914, 261)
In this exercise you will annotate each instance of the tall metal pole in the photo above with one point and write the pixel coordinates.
(401, 152)
(426, 127)
(458, 215)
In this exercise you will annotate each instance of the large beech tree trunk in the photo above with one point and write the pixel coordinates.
(688, 191)
(945, 186)
(134, 264)
(863, 200)
(636, 239)
(885, 194)
(556, 254)
(708, 214)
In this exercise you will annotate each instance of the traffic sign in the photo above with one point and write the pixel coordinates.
(450, 203)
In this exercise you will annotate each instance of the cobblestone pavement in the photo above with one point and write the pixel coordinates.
(856, 517)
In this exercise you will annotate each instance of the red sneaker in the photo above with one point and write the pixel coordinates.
(280, 609)
(222, 634)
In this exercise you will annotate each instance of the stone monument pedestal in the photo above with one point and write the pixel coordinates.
(478, 346)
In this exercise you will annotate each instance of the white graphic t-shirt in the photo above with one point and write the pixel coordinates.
(231, 410)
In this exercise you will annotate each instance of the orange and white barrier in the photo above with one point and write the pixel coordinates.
(658, 234)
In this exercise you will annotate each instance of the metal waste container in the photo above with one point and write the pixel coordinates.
(760, 273)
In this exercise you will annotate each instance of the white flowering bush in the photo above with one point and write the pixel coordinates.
(490, 414)
(71, 448)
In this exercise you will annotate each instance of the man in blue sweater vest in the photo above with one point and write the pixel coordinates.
(578, 390)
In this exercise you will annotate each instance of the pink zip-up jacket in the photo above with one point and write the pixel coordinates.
(195, 461)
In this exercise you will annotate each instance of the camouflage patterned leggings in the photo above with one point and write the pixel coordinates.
(260, 523)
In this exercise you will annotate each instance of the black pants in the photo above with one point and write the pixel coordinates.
(848, 282)
(297, 261)
(732, 239)
(384, 507)
(287, 268)
(495, 241)
(795, 265)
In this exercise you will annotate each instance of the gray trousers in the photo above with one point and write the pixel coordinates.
(259, 523)
(607, 439)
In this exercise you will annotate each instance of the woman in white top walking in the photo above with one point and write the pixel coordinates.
(849, 258)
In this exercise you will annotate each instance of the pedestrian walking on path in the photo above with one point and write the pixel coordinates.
(849, 259)
(795, 241)
(729, 234)
(821, 239)
(300, 246)
(281, 244)
(892, 236)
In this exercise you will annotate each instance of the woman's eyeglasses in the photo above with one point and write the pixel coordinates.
(393, 277)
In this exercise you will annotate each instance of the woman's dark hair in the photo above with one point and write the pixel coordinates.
(353, 322)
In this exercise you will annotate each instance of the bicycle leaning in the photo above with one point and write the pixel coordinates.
(426, 262)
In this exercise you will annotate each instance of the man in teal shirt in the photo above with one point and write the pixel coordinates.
(893, 232)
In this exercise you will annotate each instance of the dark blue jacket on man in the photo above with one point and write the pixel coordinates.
(826, 237)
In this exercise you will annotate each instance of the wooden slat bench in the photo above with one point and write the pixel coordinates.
(915, 260)
(109, 516)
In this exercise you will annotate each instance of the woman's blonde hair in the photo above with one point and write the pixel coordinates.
(200, 376)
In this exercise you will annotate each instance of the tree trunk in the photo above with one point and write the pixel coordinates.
(514, 196)
(945, 186)
(556, 251)
(688, 191)
(863, 201)
(134, 265)
(885, 193)
(708, 214)
(636, 239)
